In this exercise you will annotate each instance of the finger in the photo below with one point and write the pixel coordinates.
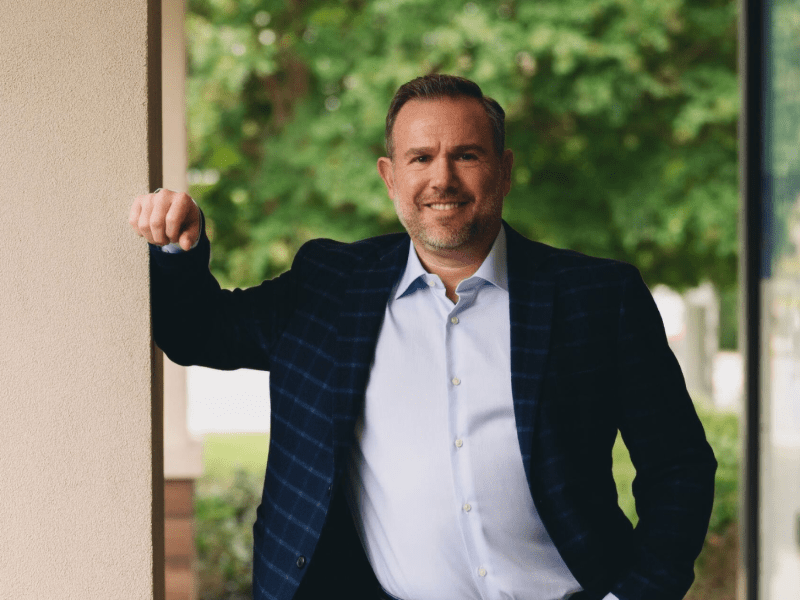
(183, 220)
(146, 204)
(133, 216)
(176, 217)
(187, 240)
(158, 217)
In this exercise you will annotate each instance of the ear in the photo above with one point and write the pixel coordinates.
(386, 171)
(507, 163)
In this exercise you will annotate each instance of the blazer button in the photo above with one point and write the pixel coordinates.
(301, 562)
(328, 491)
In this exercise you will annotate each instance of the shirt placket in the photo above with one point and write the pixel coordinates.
(462, 451)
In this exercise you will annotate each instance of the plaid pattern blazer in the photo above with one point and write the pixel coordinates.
(589, 357)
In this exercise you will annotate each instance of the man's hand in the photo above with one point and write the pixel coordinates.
(166, 217)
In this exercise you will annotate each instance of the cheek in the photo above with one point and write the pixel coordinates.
(407, 190)
(402, 202)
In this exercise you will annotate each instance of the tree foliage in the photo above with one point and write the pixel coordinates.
(782, 140)
(621, 113)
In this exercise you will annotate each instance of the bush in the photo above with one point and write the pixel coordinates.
(224, 536)
(722, 431)
(716, 567)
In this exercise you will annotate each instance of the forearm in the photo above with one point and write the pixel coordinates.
(196, 322)
(182, 293)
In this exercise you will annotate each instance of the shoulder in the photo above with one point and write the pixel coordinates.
(352, 251)
(593, 284)
(567, 267)
(580, 284)
(340, 258)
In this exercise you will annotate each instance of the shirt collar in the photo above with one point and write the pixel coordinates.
(493, 269)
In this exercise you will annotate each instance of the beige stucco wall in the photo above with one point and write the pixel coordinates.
(78, 458)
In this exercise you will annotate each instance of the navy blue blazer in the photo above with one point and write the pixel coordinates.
(588, 357)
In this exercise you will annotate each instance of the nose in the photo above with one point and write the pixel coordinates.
(443, 175)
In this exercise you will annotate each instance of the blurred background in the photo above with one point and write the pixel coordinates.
(622, 115)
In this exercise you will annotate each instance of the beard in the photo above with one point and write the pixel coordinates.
(449, 232)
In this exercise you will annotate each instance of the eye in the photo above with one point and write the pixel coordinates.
(422, 158)
(468, 156)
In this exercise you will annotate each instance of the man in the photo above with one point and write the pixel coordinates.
(444, 403)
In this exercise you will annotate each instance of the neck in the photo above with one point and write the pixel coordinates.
(454, 265)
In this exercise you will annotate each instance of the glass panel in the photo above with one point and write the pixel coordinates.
(780, 513)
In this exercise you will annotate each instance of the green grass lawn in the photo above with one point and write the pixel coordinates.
(224, 453)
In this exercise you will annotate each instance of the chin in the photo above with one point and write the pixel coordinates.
(447, 241)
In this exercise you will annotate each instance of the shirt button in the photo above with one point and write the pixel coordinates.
(467, 507)
(459, 443)
(456, 381)
(301, 562)
(482, 572)
(454, 320)
(432, 283)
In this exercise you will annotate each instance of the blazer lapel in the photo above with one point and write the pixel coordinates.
(531, 292)
(363, 309)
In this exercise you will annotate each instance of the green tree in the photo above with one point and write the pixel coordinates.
(622, 116)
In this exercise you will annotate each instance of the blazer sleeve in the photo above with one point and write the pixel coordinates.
(675, 466)
(195, 322)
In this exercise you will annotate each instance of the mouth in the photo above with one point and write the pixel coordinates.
(442, 206)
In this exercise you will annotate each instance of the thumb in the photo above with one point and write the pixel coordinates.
(187, 240)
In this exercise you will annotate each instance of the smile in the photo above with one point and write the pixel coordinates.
(448, 206)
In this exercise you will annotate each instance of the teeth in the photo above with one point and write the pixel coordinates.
(444, 206)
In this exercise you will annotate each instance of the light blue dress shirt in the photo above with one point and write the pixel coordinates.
(436, 476)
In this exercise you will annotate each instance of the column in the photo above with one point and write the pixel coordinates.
(81, 464)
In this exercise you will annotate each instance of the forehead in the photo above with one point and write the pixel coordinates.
(447, 121)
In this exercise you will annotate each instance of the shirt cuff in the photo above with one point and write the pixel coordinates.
(175, 248)
(610, 596)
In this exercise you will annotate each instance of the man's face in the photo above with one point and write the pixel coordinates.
(445, 179)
